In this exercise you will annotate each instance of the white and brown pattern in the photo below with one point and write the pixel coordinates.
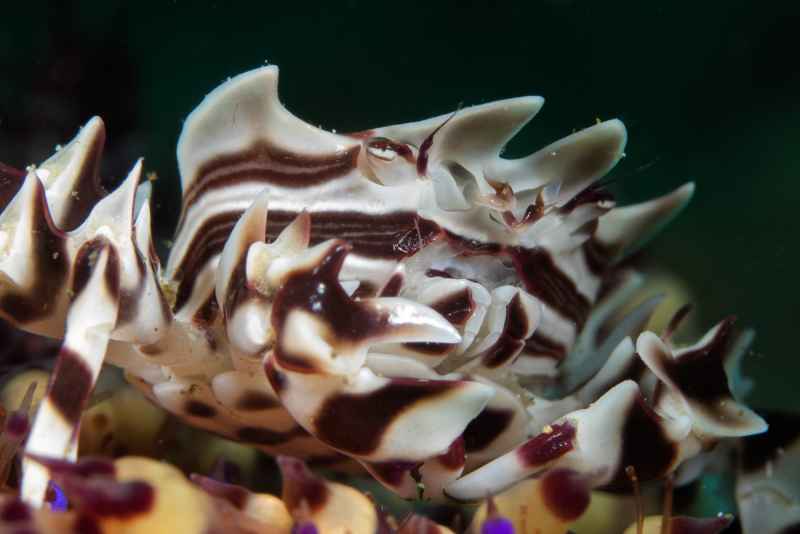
(403, 296)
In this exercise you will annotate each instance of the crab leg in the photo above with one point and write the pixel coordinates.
(90, 320)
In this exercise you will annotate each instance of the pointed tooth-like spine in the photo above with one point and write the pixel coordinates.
(473, 132)
(34, 262)
(243, 289)
(143, 313)
(511, 318)
(71, 176)
(575, 161)
(267, 263)
(244, 110)
(740, 384)
(250, 228)
(156, 314)
(114, 214)
(466, 140)
(622, 231)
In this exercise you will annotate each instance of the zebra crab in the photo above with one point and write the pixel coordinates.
(403, 297)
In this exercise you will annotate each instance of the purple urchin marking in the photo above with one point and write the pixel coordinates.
(59, 502)
(497, 525)
(306, 527)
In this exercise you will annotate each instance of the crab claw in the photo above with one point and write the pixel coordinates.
(318, 366)
(697, 385)
(320, 328)
(377, 419)
(617, 431)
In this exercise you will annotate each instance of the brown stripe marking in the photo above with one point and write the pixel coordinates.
(543, 279)
(547, 446)
(268, 164)
(699, 374)
(131, 299)
(104, 497)
(266, 436)
(317, 291)
(394, 235)
(597, 256)
(393, 286)
(49, 266)
(277, 378)
(454, 457)
(700, 377)
(457, 308)
(71, 385)
(565, 493)
(197, 408)
(252, 401)
(428, 348)
(85, 262)
(425, 147)
(486, 428)
(511, 338)
(594, 193)
(87, 192)
(300, 486)
(207, 242)
(472, 247)
(540, 345)
(356, 424)
(645, 446)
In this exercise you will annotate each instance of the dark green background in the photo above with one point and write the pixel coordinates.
(708, 91)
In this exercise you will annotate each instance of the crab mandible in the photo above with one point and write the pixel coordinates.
(403, 297)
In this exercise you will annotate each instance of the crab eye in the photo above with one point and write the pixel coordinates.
(384, 149)
(390, 162)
